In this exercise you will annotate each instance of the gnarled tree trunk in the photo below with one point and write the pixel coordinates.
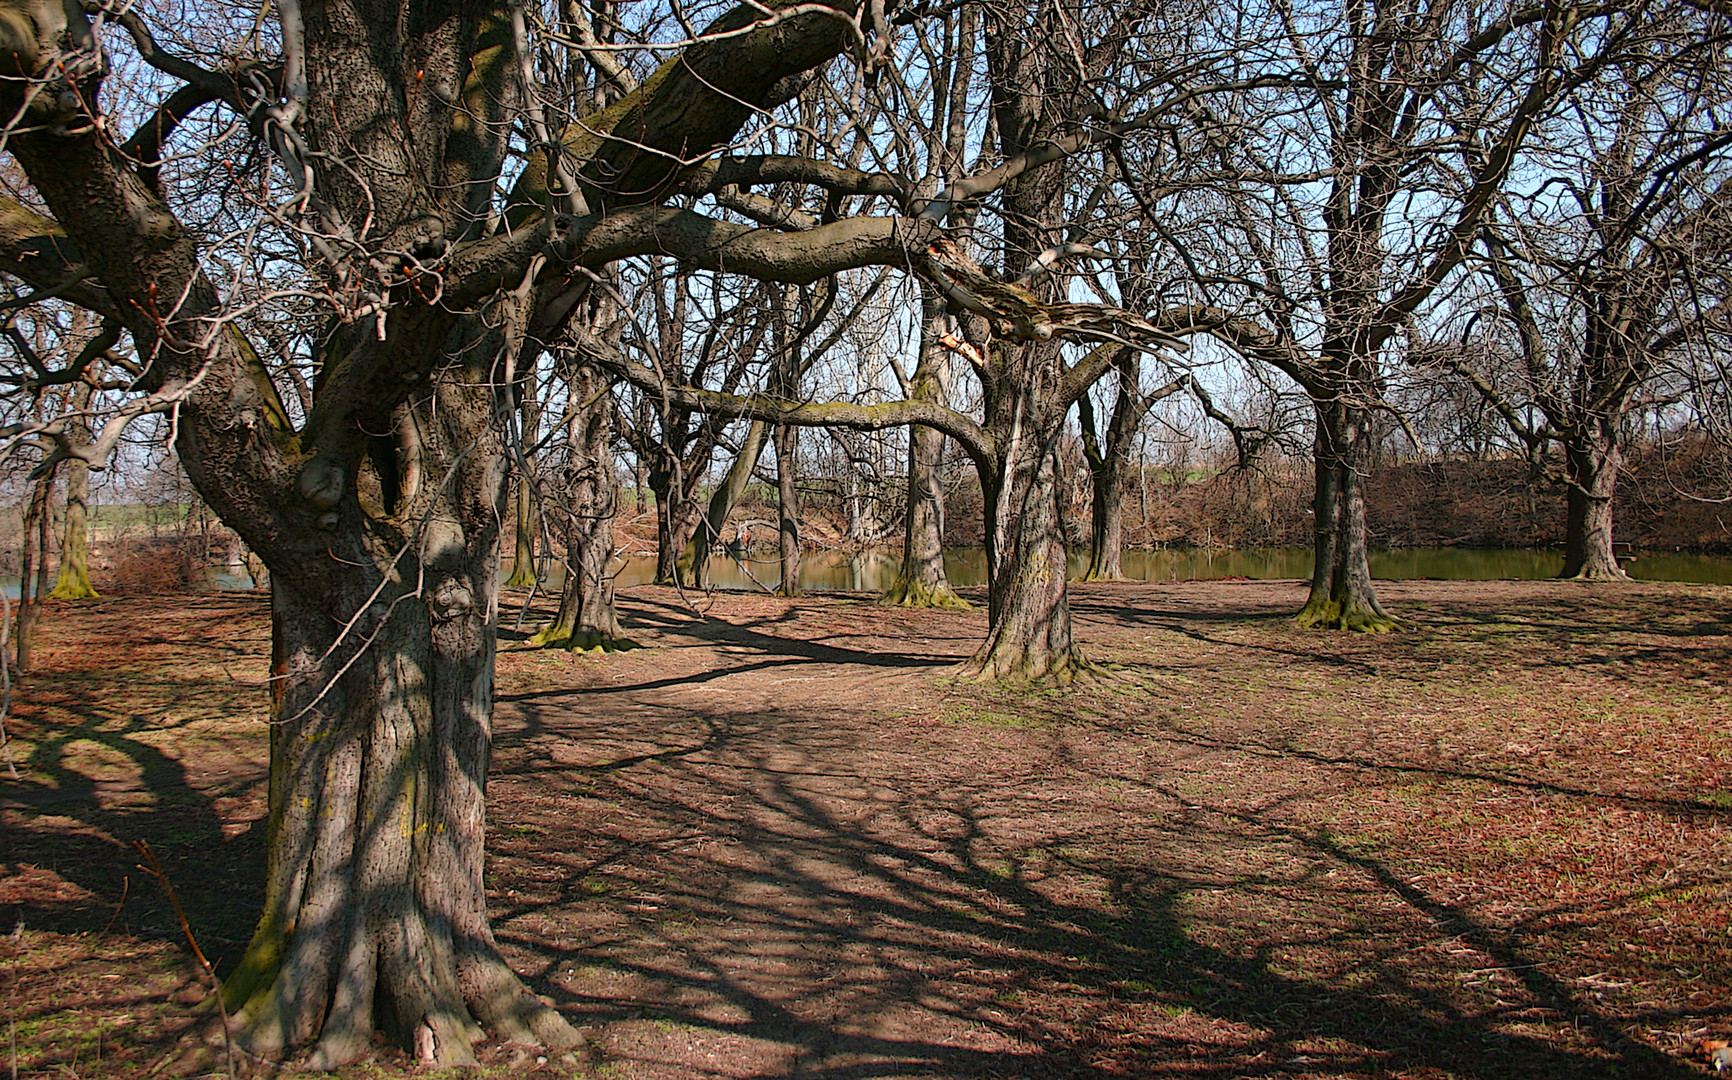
(375, 912)
(587, 618)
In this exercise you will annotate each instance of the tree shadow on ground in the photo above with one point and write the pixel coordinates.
(780, 906)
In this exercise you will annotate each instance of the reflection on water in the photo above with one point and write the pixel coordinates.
(872, 569)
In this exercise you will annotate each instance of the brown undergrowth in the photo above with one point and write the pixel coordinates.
(783, 843)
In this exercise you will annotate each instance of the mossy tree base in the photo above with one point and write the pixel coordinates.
(919, 594)
(596, 641)
(522, 577)
(1017, 667)
(1358, 617)
(73, 589)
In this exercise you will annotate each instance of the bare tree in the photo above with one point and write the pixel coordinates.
(1609, 279)
(1322, 215)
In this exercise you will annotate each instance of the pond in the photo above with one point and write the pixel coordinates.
(872, 569)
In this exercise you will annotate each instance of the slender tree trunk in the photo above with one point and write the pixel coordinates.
(33, 568)
(921, 581)
(1342, 595)
(1591, 468)
(694, 564)
(523, 561)
(788, 503)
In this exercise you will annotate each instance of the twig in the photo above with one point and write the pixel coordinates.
(153, 867)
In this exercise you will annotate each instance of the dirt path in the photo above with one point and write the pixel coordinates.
(779, 844)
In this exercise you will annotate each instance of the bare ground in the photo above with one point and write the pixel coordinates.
(780, 843)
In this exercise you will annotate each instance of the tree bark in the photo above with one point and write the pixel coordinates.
(73, 579)
(1029, 599)
(375, 910)
(677, 517)
(523, 561)
(1107, 520)
(694, 563)
(1342, 595)
(1591, 462)
(788, 505)
(587, 618)
(33, 566)
(921, 581)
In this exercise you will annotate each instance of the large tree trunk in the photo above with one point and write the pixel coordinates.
(1591, 469)
(523, 561)
(375, 911)
(587, 619)
(1342, 596)
(788, 504)
(922, 581)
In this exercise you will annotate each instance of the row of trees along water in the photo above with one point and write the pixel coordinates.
(378, 271)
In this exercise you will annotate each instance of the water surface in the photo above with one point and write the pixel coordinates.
(873, 569)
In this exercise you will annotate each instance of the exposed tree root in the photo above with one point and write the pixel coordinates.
(1065, 668)
(1600, 574)
(1360, 618)
(596, 641)
(917, 594)
(436, 1011)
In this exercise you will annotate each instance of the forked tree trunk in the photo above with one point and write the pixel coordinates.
(523, 561)
(694, 564)
(1591, 470)
(1342, 595)
(788, 503)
